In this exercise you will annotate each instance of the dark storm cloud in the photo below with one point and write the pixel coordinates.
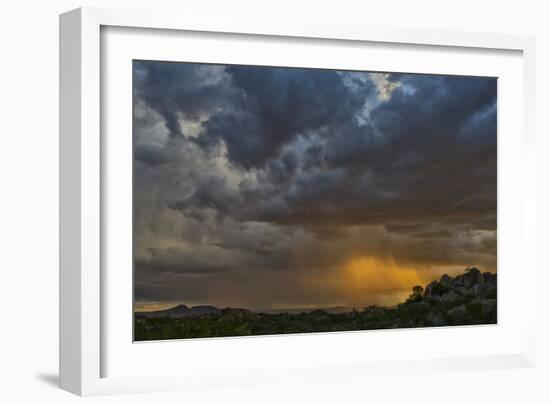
(429, 150)
(151, 154)
(178, 90)
(176, 261)
(259, 162)
(278, 105)
(422, 122)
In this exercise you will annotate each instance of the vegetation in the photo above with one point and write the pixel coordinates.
(468, 299)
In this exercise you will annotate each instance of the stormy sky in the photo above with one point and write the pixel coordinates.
(280, 188)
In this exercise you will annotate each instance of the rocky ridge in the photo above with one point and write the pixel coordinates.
(467, 299)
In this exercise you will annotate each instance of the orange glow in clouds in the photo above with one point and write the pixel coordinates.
(382, 277)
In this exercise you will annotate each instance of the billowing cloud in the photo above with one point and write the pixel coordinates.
(275, 179)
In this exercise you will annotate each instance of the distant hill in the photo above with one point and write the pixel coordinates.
(181, 311)
(334, 309)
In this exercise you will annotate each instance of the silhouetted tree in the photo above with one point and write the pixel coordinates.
(417, 291)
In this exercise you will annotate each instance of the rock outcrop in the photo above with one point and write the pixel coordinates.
(469, 298)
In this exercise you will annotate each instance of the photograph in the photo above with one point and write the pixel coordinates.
(273, 200)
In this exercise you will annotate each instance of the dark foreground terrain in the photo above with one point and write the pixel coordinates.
(467, 299)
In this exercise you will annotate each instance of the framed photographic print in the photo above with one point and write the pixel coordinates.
(277, 200)
(238, 197)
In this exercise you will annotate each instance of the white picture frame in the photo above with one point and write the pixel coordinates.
(85, 346)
